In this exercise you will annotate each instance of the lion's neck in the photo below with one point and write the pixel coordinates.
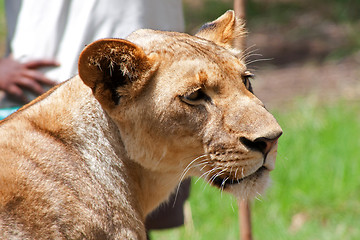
(151, 188)
(96, 137)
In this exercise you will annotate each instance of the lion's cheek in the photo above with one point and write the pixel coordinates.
(157, 152)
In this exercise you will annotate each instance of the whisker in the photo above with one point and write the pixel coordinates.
(232, 207)
(259, 60)
(202, 168)
(258, 197)
(203, 162)
(223, 185)
(252, 55)
(237, 169)
(195, 159)
(188, 167)
(207, 173)
(186, 170)
(248, 52)
(217, 175)
(205, 185)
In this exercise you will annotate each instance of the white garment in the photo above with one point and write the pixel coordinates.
(60, 29)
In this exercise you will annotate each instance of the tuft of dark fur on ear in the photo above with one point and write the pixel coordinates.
(226, 31)
(114, 68)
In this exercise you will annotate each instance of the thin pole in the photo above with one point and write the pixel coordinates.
(245, 220)
(240, 12)
(244, 205)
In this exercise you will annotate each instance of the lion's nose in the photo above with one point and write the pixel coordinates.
(261, 144)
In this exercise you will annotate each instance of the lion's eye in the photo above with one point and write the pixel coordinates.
(195, 97)
(246, 80)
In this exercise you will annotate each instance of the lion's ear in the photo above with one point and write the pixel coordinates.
(114, 68)
(225, 31)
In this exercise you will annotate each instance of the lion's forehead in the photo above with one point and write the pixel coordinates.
(196, 61)
(179, 47)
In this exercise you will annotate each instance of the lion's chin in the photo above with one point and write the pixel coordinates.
(247, 187)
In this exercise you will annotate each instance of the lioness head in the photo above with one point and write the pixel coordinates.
(184, 104)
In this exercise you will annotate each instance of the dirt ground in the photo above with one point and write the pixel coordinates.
(300, 64)
(277, 86)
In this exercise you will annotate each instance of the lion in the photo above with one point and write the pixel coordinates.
(93, 156)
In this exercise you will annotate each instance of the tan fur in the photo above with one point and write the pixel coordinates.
(91, 158)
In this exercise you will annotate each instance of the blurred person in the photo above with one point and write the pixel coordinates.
(45, 39)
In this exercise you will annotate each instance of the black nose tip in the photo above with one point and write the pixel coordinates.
(261, 144)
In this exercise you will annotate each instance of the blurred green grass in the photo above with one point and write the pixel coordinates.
(316, 176)
(316, 189)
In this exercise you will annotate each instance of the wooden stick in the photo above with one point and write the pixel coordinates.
(244, 206)
(245, 220)
(240, 12)
(239, 8)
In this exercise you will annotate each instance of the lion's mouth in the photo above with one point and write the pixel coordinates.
(223, 182)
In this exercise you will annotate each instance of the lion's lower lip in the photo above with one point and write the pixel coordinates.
(223, 182)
